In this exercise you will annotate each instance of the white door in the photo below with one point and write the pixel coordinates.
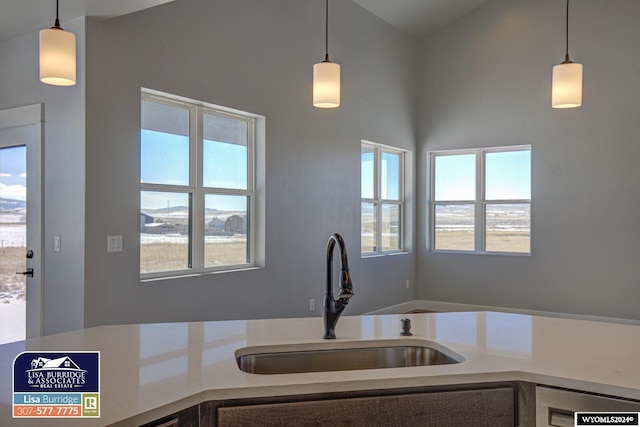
(20, 223)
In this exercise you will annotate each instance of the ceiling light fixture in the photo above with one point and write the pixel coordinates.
(57, 55)
(566, 89)
(326, 76)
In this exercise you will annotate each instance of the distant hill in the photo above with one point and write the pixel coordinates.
(167, 210)
(174, 209)
(10, 204)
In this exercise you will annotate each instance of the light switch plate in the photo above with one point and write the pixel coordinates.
(114, 243)
(57, 243)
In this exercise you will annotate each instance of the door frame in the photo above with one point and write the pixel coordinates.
(17, 117)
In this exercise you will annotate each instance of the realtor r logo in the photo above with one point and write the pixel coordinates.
(91, 402)
(90, 405)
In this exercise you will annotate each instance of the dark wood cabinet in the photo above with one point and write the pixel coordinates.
(472, 405)
(189, 417)
(490, 407)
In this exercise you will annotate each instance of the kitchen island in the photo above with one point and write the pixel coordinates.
(152, 370)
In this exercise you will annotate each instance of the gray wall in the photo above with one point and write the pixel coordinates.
(256, 56)
(486, 81)
(63, 162)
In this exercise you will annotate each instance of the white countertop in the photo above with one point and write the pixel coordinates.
(149, 371)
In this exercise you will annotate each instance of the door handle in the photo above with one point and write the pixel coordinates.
(28, 273)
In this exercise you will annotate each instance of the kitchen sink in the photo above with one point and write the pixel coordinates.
(300, 358)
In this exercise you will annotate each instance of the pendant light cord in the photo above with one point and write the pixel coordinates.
(57, 24)
(326, 32)
(566, 55)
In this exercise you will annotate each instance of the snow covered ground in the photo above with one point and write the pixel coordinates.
(12, 320)
(13, 235)
(178, 238)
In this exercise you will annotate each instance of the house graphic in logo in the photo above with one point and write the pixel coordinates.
(61, 363)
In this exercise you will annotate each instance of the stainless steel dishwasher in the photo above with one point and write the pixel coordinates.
(556, 407)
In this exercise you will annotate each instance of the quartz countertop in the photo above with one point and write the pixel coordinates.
(152, 370)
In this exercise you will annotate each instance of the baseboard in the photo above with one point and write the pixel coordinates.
(439, 306)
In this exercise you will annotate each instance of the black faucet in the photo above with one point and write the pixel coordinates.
(332, 309)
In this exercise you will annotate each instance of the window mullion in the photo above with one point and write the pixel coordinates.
(508, 201)
(479, 203)
(403, 219)
(455, 202)
(226, 191)
(196, 166)
(378, 197)
(431, 237)
(166, 188)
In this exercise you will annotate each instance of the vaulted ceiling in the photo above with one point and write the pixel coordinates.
(420, 17)
(20, 17)
(417, 17)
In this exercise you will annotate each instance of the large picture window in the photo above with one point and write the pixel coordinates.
(197, 181)
(481, 200)
(382, 199)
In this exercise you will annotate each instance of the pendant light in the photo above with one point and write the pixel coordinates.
(57, 55)
(566, 89)
(326, 76)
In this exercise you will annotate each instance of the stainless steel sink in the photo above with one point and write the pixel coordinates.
(364, 355)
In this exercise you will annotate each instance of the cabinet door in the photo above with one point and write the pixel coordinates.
(481, 408)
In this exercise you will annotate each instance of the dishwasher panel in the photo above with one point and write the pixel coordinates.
(556, 407)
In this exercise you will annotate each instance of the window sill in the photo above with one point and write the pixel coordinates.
(508, 254)
(383, 254)
(204, 273)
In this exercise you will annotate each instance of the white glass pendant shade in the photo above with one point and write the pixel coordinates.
(567, 85)
(57, 57)
(326, 85)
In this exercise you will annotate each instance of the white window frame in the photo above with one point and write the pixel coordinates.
(479, 203)
(197, 192)
(378, 201)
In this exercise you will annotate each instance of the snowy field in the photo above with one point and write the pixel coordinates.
(12, 314)
(179, 238)
(13, 216)
(13, 235)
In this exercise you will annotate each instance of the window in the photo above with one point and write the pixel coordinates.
(197, 199)
(382, 199)
(481, 200)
